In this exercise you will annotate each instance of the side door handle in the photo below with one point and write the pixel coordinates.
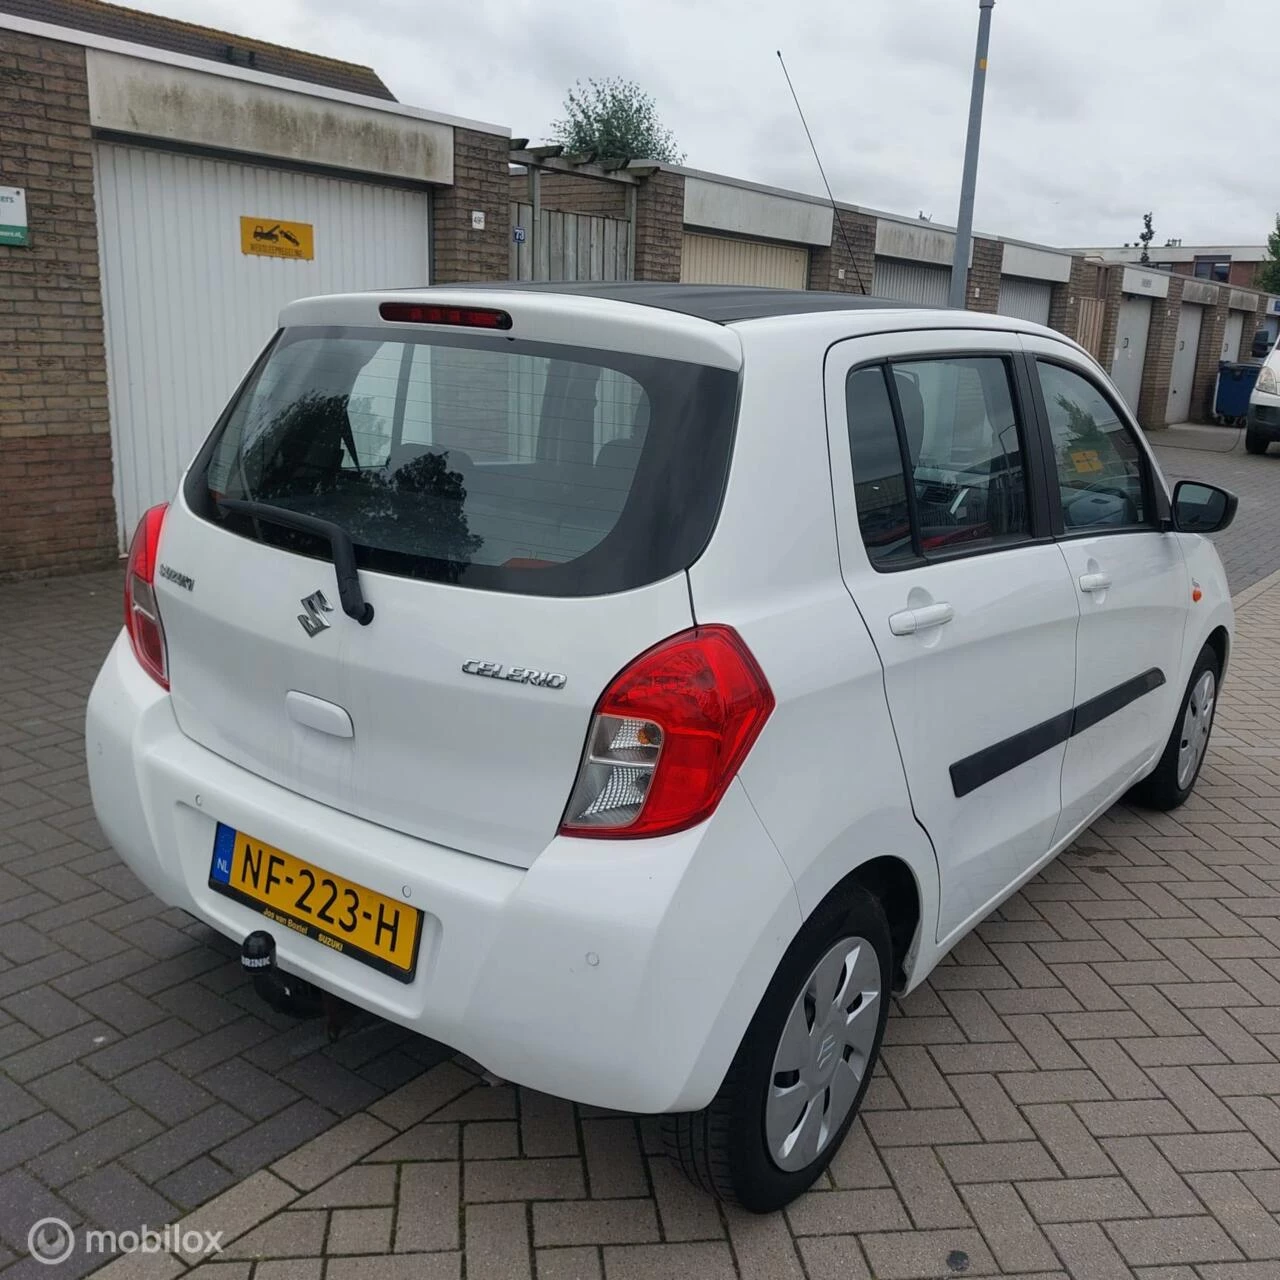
(908, 621)
(1094, 581)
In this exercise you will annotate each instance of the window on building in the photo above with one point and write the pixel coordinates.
(1213, 268)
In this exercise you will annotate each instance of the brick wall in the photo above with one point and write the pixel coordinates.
(1212, 328)
(825, 264)
(1110, 280)
(1064, 299)
(982, 292)
(1252, 323)
(1153, 399)
(480, 181)
(659, 226)
(569, 194)
(56, 509)
(1243, 274)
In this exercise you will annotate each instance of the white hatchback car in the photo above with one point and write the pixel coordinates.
(633, 686)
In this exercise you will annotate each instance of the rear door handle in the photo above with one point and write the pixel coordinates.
(909, 621)
(1094, 581)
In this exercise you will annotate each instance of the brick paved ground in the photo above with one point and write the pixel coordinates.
(1086, 1089)
(1250, 549)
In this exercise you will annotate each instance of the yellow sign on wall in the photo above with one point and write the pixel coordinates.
(271, 238)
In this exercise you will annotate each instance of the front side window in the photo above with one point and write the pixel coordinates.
(1099, 463)
(937, 457)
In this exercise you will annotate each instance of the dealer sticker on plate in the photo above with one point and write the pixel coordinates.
(346, 917)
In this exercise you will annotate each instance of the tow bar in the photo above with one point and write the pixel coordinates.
(285, 992)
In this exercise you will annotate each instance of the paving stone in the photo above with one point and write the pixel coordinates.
(925, 1255)
(299, 1233)
(844, 1212)
(363, 1186)
(360, 1231)
(265, 1141)
(322, 1157)
(427, 1216)
(1008, 1229)
(925, 1188)
(195, 1183)
(669, 1262)
(1150, 1243)
(1081, 1200)
(29, 1137)
(527, 1179)
(160, 1090)
(78, 1096)
(497, 1242)
(569, 1264)
(413, 1266)
(182, 1143)
(115, 1199)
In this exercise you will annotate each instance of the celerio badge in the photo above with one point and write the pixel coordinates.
(518, 675)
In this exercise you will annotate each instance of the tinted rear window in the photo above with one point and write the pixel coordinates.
(510, 466)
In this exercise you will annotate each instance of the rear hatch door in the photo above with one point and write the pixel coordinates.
(521, 504)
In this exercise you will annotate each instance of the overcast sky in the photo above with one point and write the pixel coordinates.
(1096, 110)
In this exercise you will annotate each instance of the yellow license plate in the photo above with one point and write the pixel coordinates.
(345, 917)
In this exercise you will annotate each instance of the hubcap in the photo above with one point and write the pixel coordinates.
(1196, 724)
(824, 1051)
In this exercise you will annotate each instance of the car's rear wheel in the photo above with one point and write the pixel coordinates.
(1169, 785)
(1254, 441)
(803, 1066)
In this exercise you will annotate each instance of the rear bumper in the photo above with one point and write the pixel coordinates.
(685, 932)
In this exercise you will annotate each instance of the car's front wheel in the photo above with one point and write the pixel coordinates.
(803, 1066)
(1170, 783)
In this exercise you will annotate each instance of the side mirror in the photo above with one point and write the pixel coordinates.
(1202, 508)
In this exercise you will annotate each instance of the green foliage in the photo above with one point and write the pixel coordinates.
(1269, 273)
(1145, 239)
(614, 119)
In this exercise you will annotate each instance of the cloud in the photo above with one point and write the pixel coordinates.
(1096, 111)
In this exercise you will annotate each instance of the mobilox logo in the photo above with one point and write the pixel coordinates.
(51, 1241)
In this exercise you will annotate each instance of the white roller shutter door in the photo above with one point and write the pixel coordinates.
(186, 312)
(723, 260)
(912, 282)
(1025, 299)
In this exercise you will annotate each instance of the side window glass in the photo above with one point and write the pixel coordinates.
(880, 488)
(965, 445)
(1099, 464)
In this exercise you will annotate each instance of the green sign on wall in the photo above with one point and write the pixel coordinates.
(13, 215)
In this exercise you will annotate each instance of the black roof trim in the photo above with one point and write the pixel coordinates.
(721, 303)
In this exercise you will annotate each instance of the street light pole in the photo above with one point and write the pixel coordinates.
(964, 223)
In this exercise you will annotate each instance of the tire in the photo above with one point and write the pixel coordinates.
(725, 1148)
(1254, 442)
(1164, 788)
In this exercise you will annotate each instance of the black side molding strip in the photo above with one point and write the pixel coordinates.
(983, 766)
(1087, 714)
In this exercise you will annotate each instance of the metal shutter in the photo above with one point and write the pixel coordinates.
(1026, 299)
(721, 260)
(912, 282)
(186, 312)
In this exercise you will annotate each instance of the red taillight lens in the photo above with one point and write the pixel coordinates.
(424, 313)
(668, 735)
(141, 613)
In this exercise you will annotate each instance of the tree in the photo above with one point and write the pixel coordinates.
(614, 119)
(1145, 239)
(1269, 273)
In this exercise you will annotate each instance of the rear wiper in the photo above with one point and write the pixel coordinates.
(354, 605)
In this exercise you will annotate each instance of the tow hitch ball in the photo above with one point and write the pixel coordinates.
(282, 991)
(287, 993)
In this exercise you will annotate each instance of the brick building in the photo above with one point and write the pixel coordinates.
(158, 162)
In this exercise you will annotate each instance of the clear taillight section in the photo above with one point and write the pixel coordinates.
(141, 613)
(668, 735)
(1267, 382)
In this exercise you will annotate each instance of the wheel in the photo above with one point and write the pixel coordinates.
(1171, 782)
(803, 1066)
(1254, 442)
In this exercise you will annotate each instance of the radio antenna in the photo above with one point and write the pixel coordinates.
(853, 261)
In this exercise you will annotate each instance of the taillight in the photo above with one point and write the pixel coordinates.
(1267, 382)
(141, 613)
(668, 735)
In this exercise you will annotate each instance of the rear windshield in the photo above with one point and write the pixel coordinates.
(511, 466)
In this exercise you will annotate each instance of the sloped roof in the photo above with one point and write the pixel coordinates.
(195, 41)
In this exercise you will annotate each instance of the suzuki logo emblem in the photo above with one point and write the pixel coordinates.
(825, 1050)
(316, 606)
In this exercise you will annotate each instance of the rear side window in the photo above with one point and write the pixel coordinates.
(937, 458)
(526, 467)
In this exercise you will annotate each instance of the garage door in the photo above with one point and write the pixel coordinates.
(1025, 299)
(911, 282)
(186, 311)
(1186, 347)
(1130, 354)
(721, 260)
(1231, 336)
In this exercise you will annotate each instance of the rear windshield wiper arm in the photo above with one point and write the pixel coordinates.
(354, 605)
